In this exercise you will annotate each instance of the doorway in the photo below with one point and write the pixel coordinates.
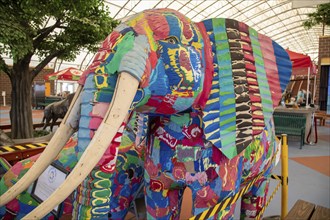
(324, 94)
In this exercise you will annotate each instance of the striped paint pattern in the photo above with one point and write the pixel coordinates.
(267, 49)
(20, 147)
(250, 74)
(266, 98)
(222, 94)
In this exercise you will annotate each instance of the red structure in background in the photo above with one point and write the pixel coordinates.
(301, 63)
(303, 71)
(70, 73)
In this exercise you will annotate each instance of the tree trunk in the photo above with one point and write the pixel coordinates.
(21, 106)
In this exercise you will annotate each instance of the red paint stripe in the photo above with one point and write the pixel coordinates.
(251, 75)
(202, 99)
(248, 57)
(270, 68)
(247, 47)
(250, 66)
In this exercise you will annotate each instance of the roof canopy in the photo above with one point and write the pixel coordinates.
(301, 63)
(70, 73)
(299, 60)
(281, 20)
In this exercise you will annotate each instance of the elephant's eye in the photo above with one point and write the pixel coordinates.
(172, 40)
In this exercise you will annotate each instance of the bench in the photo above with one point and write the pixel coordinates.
(303, 210)
(48, 100)
(322, 116)
(291, 124)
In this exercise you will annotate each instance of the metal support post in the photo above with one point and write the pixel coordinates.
(285, 176)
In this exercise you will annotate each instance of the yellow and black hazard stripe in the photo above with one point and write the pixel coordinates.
(279, 179)
(231, 200)
(227, 202)
(20, 147)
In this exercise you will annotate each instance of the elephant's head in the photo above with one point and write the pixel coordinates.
(161, 49)
(161, 63)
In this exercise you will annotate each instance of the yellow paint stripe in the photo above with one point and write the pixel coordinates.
(211, 101)
(214, 210)
(20, 147)
(31, 146)
(225, 204)
(203, 215)
(8, 148)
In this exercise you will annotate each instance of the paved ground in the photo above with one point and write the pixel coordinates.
(4, 115)
(309, 177)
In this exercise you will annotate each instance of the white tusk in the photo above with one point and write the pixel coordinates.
(123, 97)
(61, 136)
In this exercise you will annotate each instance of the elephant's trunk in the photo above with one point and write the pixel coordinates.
(56, 144)
(123, 97)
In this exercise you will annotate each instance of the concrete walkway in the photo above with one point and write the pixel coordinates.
(309, 177)
(37, 115)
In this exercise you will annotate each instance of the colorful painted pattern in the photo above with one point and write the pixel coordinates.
(209, 90)
(237, 110)
(92, 198)
(177, 157)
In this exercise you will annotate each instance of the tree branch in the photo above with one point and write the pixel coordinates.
(43, 33)
(4, 67)
(43, 63)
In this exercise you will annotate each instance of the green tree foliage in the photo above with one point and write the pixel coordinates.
(320, 17)
(49, 29)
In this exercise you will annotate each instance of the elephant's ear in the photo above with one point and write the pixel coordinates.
(250, 73)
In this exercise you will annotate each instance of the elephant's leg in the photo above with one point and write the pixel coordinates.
(108, 194)
(207, 196)
(53, 123)
(91, 198)
(164, 182)
(46, 123)
(126, 182)
(162, 204)
(262, 149)
(253, 201)
(44, 119)
(227, 214)
(219, 180)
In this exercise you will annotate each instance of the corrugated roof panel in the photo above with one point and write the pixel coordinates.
(275, 18)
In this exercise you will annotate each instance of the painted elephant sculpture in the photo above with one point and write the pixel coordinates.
(209, 90)
(56, 110)
(125, 181)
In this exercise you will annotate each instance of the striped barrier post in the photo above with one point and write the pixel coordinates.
(285, 176)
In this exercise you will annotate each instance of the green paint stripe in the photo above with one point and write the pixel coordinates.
(267, 103)
(226, 83)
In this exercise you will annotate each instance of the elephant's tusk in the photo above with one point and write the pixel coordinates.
(61, 136)
(124, 94)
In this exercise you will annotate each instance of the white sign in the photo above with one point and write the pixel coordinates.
(47, 183)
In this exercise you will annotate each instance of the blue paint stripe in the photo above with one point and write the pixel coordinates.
(284, 65)
(227, 95)
(222, 132)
